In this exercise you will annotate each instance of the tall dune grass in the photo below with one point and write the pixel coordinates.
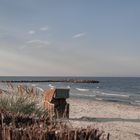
(24, 100)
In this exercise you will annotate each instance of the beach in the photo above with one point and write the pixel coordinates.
(120, 120)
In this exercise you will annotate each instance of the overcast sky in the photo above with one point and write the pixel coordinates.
(70, 37)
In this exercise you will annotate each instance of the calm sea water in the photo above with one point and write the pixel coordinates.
(115, 89)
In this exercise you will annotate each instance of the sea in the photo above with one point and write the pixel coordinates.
(125, 90)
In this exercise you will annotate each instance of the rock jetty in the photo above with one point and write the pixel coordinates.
(51, 81)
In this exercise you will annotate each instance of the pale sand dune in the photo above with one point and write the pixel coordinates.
(121, 121)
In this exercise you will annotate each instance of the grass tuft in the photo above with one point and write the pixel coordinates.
(22, 103)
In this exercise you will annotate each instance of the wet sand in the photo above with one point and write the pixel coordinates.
(121, 121)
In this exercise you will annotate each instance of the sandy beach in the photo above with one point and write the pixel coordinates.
(121, 121)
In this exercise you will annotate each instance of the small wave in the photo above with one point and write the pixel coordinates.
(92, 95)
(82, 89)
(137, 101)
(51, 86)
(89, 95)
(40, 89)
(99, 99)
(82, 95)
(117, 95)
(68, 87)
(96, 92)
(33, 85)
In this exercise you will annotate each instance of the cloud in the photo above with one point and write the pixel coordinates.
(35, 44)
(46, 28)
(79, 35)
(31, 32)
(38, 42)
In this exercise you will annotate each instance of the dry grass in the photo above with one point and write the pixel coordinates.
(22, 99)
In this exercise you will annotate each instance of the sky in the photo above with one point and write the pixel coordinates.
(70, 38)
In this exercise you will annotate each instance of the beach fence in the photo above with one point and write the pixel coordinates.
(36, 133)
(55, 103)
(15, 126)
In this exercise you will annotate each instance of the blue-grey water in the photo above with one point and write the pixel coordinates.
(115, 89)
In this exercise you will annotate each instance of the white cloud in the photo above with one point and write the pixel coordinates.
(46, 28)
(79, 35)
(31, 32)
(38, 42)
(35, 44)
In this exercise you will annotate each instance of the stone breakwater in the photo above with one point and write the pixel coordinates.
(49, 81)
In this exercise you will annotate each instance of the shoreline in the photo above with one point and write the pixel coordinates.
(106, 101)
(121, 121)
